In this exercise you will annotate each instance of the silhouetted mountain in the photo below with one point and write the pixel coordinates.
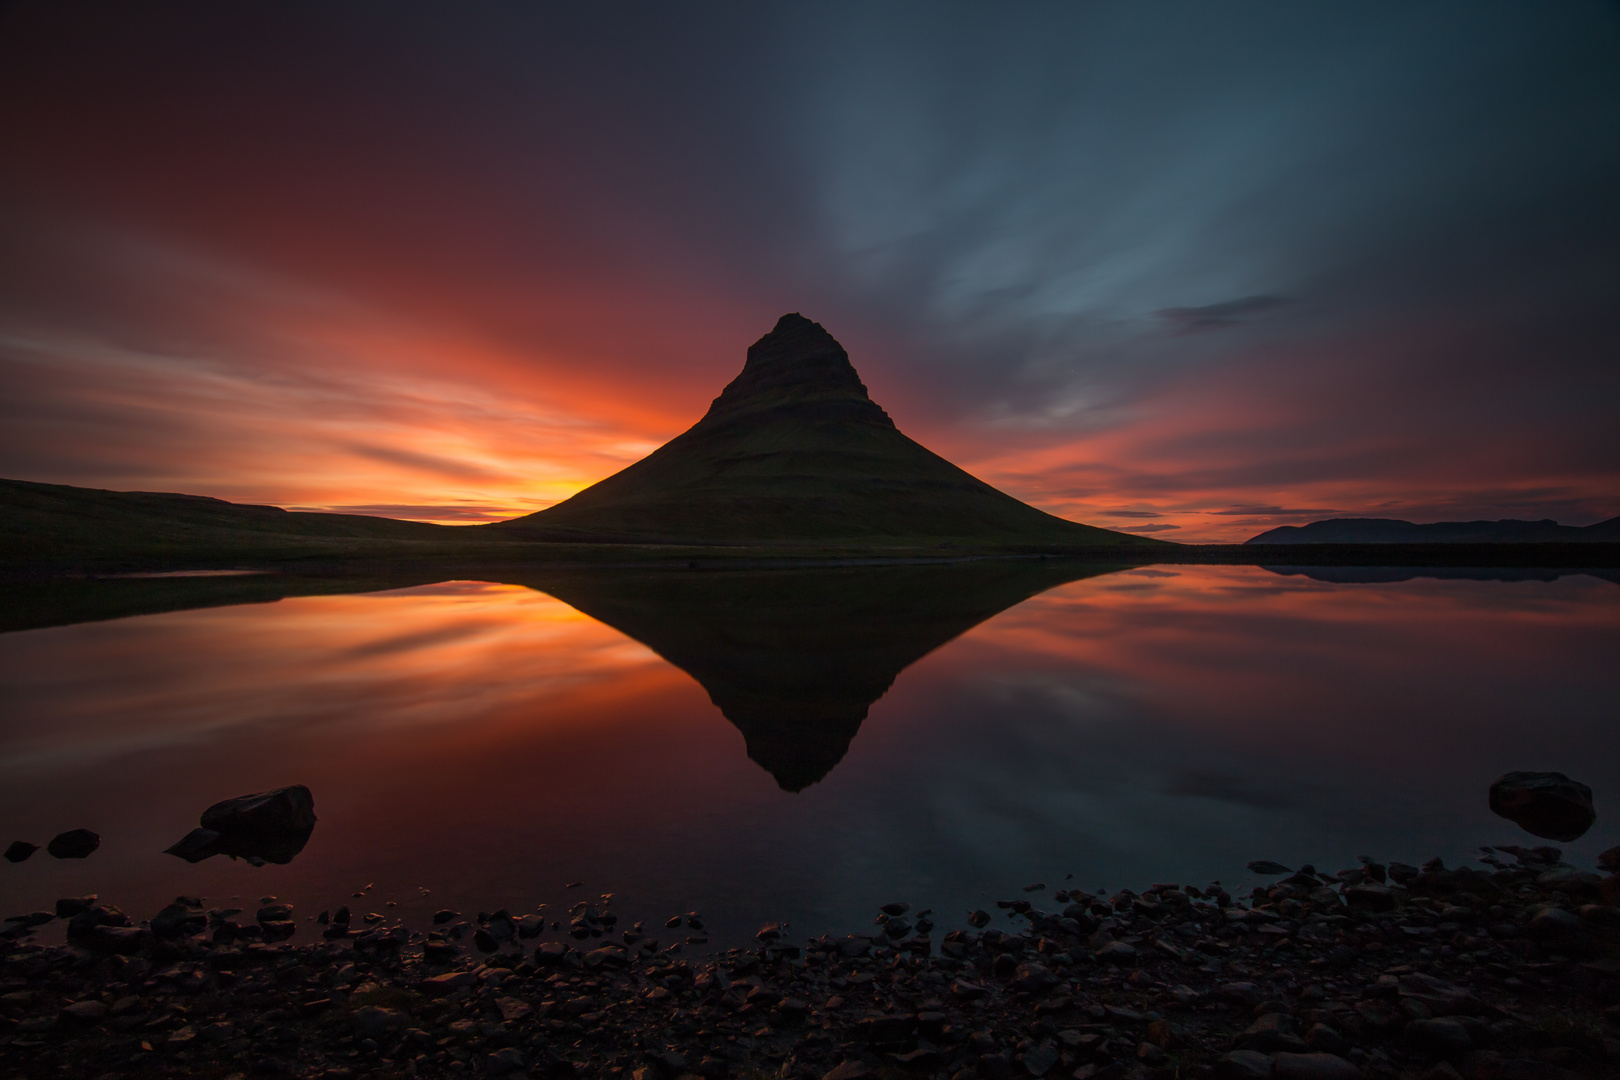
(795, 659)
(793, 450)
(1391, 531)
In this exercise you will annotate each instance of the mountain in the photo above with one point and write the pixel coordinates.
(794, 450)
(795, 659)
(1390, 531)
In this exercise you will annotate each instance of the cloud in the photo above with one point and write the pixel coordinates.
(1222, 787)
(509, 265)
(1269, 511)
(458, 513)
(1198, 320)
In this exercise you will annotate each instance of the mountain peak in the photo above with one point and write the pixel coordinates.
(800, 367)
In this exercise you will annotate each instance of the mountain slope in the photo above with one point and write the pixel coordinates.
(794, 450)
(1391, 531)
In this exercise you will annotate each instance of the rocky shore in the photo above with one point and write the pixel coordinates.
(1377, 971)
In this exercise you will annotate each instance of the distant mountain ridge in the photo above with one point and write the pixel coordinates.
(1392, 531)
(794, 450)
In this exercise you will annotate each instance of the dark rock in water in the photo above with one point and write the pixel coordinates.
(195, 846)
(69, 906)
(1402, 874)
(267, 827)
(1267, 867)
(74, 844)
(20, 850)
(288, 809)
(1545, 804)
(978, 919)
(176, 920)
(33, 918)
(82, 924)
(1610, 860)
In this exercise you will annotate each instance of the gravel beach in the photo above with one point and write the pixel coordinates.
(1506, 971)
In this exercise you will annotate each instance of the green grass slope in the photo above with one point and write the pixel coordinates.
(54, 525)
(794, 451)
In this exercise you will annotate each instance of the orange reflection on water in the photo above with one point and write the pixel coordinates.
(1392, 670)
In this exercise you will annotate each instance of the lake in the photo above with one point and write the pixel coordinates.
(794, 745)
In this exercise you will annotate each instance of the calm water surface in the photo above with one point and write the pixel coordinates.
(731, 743)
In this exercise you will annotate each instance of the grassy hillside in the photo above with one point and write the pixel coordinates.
(58, 525)
(794, 450)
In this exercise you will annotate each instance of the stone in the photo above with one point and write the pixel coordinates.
(1371, 898)
(1244, 1065)
(441, 985)
(1039, 1060)
(270, 826)
(1545, 804)
(287, 809)
(195, 846)
(20, 850)
(33, 918)
(978, 919)
(506, 1060)
(1266, 1033)
(1117, 952)
(1442, 1037)
(1378, 1014)
(375, 1020)
(1268, 868)
(1568, 879)
(1318, 1066)
(1033, 978)
(73, 844)
(1323, 1039)
(86, 1012)
(122, 940)
(69, 906)
(1608, 860)
(177, 919)
(1553, 923)
(922, 1059)
(848, 1070)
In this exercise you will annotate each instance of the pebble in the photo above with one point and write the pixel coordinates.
(73, 844)
(1450, 973)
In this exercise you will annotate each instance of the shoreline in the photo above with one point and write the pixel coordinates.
(1507, 972)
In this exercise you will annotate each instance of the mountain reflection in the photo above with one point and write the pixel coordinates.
(794, 659)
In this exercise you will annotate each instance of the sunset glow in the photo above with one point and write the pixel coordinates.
(455, 267)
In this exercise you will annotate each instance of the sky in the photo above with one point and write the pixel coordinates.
(1188, 270)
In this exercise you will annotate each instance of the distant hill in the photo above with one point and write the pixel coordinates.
(793, 450)
(1391, 531)
(55, 525)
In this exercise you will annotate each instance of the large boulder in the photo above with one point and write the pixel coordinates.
(288, 809)
(1546, 804)
(74, 844)
(269, 826)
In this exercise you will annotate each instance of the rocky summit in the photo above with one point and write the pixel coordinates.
(794, 450)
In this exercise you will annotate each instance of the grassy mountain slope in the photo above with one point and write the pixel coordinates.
(793, 450)
(88, 528)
